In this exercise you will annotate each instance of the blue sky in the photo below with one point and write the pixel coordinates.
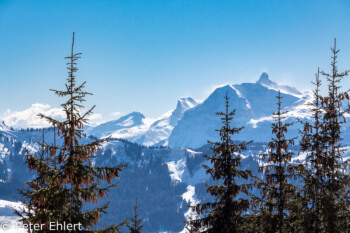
(144, 55)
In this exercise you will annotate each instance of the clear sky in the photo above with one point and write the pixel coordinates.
(144, 55)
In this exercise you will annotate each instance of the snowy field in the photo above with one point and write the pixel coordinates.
(8, 222)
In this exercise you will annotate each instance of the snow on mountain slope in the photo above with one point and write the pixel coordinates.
(192, 124)
(135, 127)
(131, 127)
(182, 106)
(199, 123)
(265, 81)
(262, 99)
(8, 221)
(160, 130)
(9, 204)
(254, 104)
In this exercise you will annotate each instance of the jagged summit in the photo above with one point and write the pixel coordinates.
(160, 130)
(254, 102)
(265, 81)
(137, 128)
(187, 102)
(191, 123)
(183, 105)
(264, 78)
(202, 120)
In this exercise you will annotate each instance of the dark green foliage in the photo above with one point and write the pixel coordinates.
(66, 179)
(224, 213)
(335, 183)
(313, 144)
(157, 196)
(191, 226)
(193, 162)
(326, 184)
(134, 150)
(278, 193)
(135, 223)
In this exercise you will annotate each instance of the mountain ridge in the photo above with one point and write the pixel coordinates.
(192, 123)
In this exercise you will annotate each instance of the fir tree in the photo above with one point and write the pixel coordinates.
(335, 182)
(313, 144)
(225, 213)
(42, 199)
(191, 226)
(135, 226)
(277, 190)
(67, 180)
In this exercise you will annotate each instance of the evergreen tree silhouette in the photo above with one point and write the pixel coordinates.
(334, 193)
(278, 193)
(67, 180)
(135, 226)
(41, 198)
(225, 213)
(312, 143)
(191, 226)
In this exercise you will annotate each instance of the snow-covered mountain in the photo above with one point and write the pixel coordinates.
(265, 81)
(254, 104)
(182, 106)
(192, 124)
(160, 130)
(135, 127)
(131, 127)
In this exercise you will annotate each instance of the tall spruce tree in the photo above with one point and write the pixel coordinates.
(312, 143)
(225, 213)
(335, 182)
(67, 180)
(135, 225)
(278, 193)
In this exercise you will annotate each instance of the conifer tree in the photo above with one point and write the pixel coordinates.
(67, 180)
(135, 226)
(258, 221)
(335, 183)
(41, 198)
(277, 190)
(313, 144)
(191, 226)
(225, 213)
